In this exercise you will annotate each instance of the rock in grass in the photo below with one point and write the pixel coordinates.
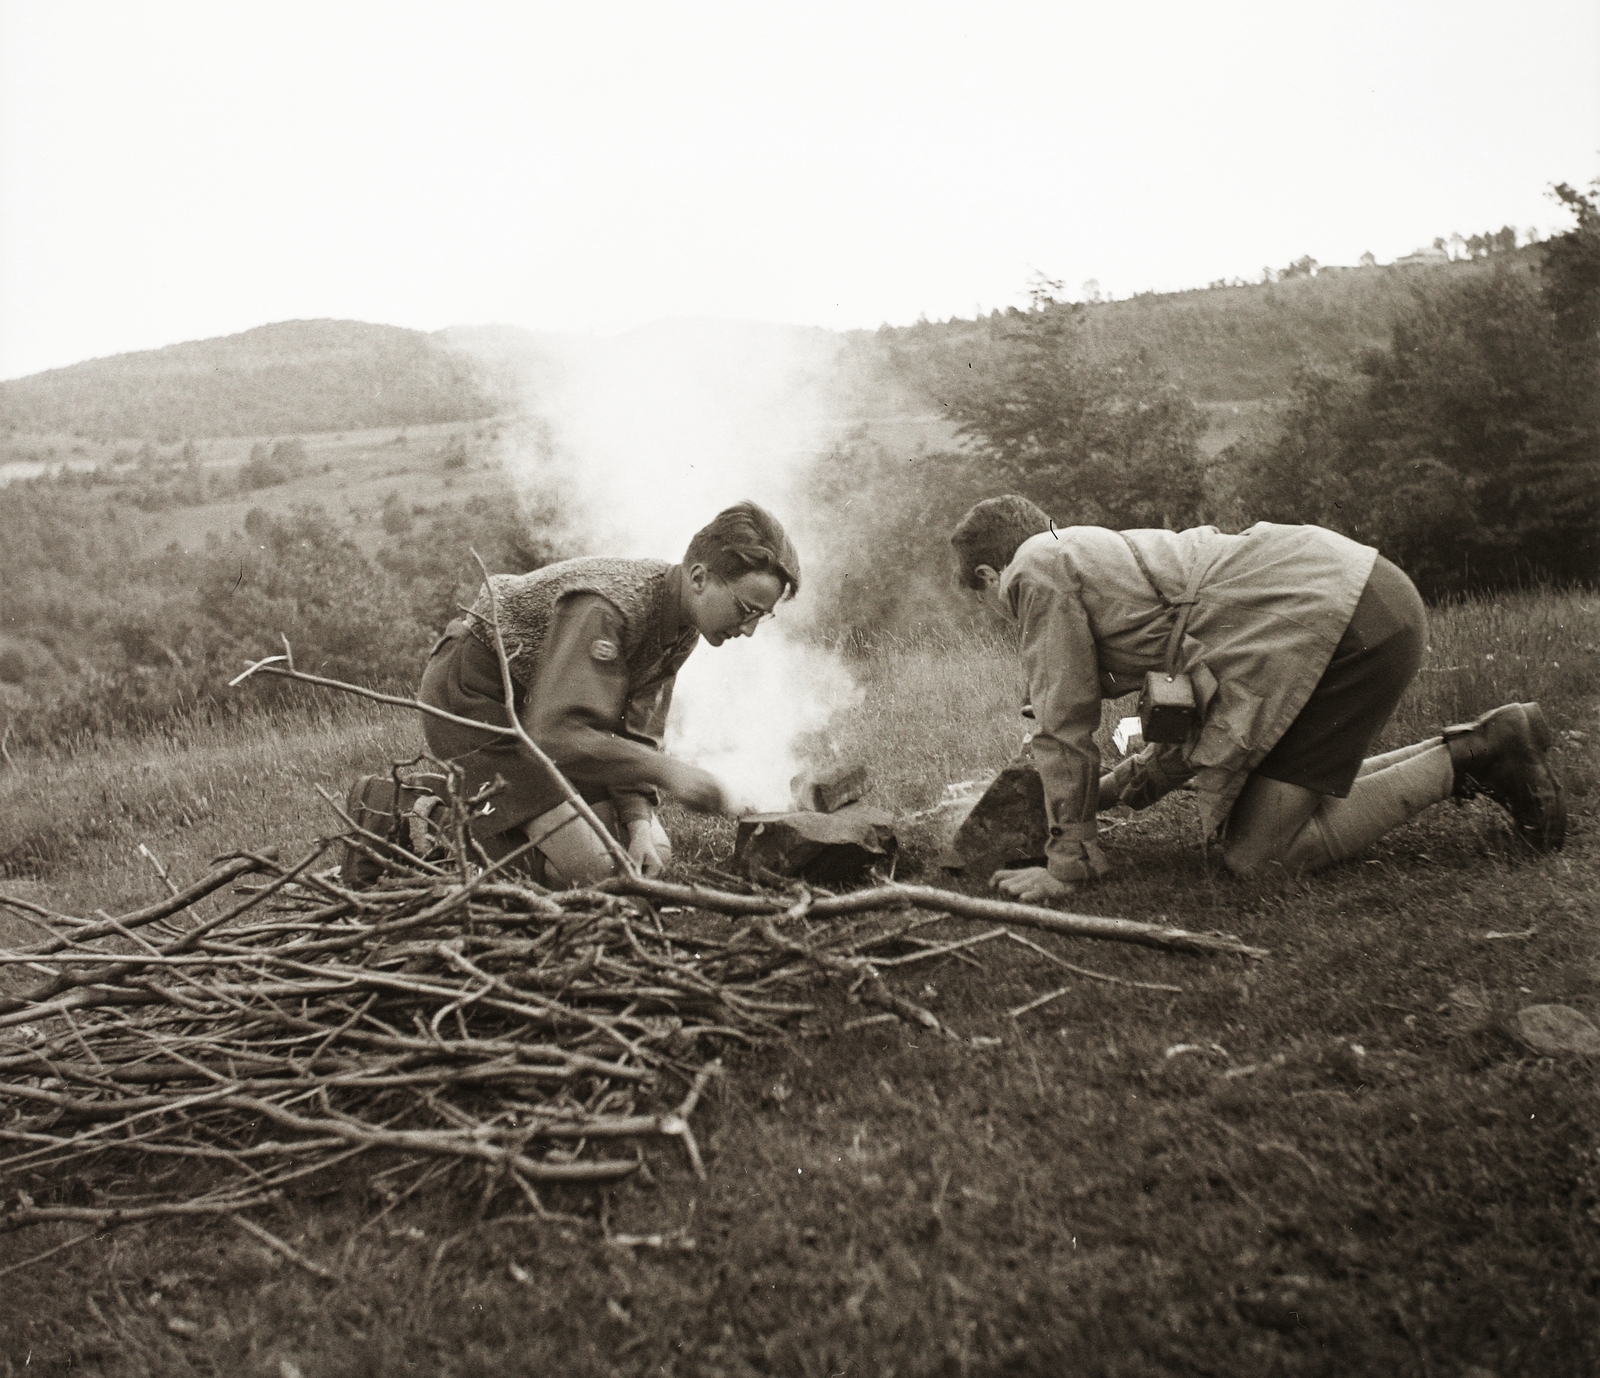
(1558, 1029)
(826, 848)
(1006, 826)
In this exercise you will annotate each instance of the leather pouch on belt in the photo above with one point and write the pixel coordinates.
(1168, 711)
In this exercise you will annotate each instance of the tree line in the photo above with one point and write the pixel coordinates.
(1466, 446)
(101, 637)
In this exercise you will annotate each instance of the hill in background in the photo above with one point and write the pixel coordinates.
(295, 377)
(1222, 345)
(1245, 343)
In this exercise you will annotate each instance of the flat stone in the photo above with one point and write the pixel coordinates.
(1558, 1029)
(1006, 827)
(827, 848)
(1469, 1009)
(828, 790)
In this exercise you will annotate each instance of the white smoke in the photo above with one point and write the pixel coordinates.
(642, 440)
(742, 710)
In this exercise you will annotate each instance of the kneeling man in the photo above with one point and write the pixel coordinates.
(594, 647)
(1298, 643)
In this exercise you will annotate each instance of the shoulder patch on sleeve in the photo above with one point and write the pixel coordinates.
(602, 649)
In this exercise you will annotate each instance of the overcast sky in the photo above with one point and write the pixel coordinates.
(172, 170)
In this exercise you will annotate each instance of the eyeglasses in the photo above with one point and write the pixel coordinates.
(748, 612)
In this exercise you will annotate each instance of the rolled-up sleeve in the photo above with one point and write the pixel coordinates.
(1062, 666)
(577, 706)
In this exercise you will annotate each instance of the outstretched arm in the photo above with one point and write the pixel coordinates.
(1062, 665)
(577, 711)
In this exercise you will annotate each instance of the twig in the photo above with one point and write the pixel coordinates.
(160, 869)
(619, 853)
(40, 1258)
(1093, 975)
(1034, 1004)
(941, 950)
(364, 840)
(288, 1251)
(109, 1216)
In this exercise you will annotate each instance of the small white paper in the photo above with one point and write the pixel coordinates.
(1129, 736)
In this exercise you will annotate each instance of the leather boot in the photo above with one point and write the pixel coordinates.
(1502, 755)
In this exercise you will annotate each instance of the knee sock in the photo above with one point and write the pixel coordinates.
(1378, 802)
(1393, 758)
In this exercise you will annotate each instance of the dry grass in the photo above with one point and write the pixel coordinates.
(1354, 1168)
(74, 824)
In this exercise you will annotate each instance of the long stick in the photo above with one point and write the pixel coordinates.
(106, 1217)
(270, 666)
(930, 897)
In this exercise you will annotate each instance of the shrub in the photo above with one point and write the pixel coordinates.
(1468, 449)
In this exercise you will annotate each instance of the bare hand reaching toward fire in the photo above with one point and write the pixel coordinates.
(698, 789)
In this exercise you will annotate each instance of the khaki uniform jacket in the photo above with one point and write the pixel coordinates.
(599, 717)
(1271, 605)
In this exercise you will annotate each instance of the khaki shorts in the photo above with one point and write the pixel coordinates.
(1372, 666)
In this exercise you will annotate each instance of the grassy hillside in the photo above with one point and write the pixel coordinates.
(1230, 345)
(292, 377)
(123, 577)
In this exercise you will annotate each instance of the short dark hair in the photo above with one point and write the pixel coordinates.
(991, 532)
(746, 539)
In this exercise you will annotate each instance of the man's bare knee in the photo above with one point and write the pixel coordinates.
(1244, 861)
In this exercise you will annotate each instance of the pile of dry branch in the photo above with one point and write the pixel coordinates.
(438, 1021)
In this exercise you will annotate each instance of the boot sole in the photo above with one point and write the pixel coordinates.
(1538, 728)
(1552, 836)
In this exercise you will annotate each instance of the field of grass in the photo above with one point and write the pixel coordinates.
(1335, 1161)
(349, 474)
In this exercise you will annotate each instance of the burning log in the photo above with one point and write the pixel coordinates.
(824, 848)
(828, 790)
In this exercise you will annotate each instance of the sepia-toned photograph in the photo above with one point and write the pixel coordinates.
(880, 690)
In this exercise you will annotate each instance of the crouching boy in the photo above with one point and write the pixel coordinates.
(594, 647)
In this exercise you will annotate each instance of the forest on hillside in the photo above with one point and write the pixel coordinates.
(1462, 439)
(1450, 416)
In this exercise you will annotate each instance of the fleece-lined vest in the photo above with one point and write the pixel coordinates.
(634, 587)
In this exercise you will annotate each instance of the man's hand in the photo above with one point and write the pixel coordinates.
(699, 789)
(1031, 885)
(642, 848)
